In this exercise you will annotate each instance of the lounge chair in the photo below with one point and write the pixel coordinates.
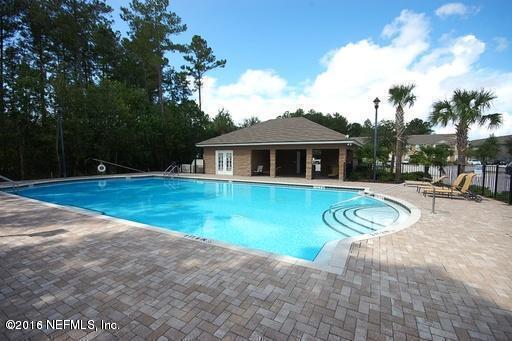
(455, 185)
(434, 181)
(259, 170)
(452, 192)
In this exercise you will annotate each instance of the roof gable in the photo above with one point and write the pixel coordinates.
(280, 131)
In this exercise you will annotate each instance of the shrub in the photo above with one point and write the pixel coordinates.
(501, 196)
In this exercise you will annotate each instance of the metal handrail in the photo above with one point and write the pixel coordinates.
(362, 194)
(118, 165)
(172, 169)
(14, 184)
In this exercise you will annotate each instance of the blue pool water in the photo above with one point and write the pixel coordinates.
(286, 220)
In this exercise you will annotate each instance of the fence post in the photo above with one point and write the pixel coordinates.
(496, 178)
(510, 190)
(483, 178)
(195, 166)
(433, 199)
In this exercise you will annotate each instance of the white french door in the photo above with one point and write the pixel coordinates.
(224, 162)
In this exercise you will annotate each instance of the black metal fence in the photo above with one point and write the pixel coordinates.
(196, 166)
(490, 180)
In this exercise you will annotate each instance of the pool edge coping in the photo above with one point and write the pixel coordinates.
(332, 257)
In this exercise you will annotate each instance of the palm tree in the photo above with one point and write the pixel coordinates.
(465, 109)
(400, 96)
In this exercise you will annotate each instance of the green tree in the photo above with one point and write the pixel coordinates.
(334, 121)
(487, 151)
(222, 123)
(418, 127)
(354, 129)
(464, 109)
(250, 122)
(365, 153)
(400, 96)
(297, 113)
(432, 156)
(152, 26)
(177, 85)
(9, 19)
(508, 143)
(385, 140)
(201, 60)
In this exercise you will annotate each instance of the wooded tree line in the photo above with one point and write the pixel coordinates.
(72, 88)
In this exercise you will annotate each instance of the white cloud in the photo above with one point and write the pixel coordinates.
(359, 71)
(452, 8)
(501, 44)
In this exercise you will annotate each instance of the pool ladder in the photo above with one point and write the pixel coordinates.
(172, 170)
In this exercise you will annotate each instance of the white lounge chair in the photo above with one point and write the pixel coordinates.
(259, 170)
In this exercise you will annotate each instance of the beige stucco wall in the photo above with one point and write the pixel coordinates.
(242, 158)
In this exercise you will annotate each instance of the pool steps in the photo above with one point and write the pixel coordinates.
(348, 219)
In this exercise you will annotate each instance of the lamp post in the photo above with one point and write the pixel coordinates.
(376, 101)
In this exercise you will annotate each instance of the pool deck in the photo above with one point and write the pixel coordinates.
(448, 276)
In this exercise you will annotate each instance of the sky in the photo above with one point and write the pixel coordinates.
(337, 56)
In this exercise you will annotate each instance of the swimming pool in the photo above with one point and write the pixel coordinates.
(294, 221)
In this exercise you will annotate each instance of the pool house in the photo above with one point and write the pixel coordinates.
(283, 147)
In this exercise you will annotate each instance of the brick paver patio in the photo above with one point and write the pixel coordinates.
(449, 276)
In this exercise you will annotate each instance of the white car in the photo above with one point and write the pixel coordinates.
(474, 162)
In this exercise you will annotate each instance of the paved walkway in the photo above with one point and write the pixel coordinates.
(447, 277)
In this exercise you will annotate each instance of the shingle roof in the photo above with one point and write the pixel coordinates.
(449, 139)
(279, 130)
(501, 140)
(503, 154)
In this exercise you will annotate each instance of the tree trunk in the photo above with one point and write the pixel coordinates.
(399, 121)
(2, 103)
(160, 91)
(462, 145)
(42, 80)
(21, 159)
(199, 93)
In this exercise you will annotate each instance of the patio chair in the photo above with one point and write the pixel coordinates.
(259, 170)
(411, 183)
(453, 192)
(455, 185)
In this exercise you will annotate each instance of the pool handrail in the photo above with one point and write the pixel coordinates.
(13, 183)
(172, 170)
(118, 165)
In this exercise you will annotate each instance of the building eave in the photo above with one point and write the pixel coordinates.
(348, 142)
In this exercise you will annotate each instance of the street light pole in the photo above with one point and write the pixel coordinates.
(376, 101)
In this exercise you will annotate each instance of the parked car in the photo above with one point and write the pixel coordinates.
(474, 162)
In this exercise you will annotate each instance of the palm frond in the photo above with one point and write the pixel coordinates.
(442, 113)
(402, 95)
(493, 120)
(483, 99)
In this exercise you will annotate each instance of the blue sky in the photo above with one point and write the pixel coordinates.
(286, 54)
